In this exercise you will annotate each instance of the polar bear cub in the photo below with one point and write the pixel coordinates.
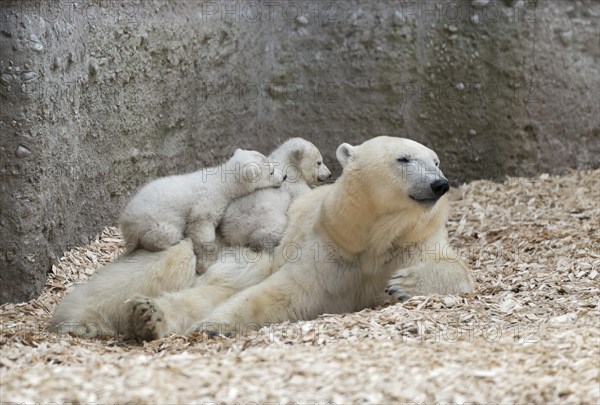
(165, 210)
(98, 308)
(259, 219)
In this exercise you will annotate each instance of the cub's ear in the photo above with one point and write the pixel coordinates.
(251, 172)
(343, 153)
(297, 155)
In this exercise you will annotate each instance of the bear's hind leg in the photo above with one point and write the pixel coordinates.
(161, 236)
(147, 321)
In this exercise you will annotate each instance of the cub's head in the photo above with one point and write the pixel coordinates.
(305, 161)
(253, 169)
(396, 173)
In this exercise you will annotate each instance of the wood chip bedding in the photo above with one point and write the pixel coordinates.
(529, 333)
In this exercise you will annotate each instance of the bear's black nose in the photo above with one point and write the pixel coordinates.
(440, 187)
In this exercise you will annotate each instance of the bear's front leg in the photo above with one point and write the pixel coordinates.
(444, 276)
(156, 318)
(272, 301)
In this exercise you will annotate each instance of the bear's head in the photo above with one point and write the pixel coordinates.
(253, 169)
(395, 173)
(305, 161)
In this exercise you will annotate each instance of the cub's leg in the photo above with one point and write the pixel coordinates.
(202, 233)
(160, 236)
(266, 238)
(448, 275)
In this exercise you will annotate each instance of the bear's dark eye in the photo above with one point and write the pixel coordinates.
(437, 163)
(403, 159)
(319, 163)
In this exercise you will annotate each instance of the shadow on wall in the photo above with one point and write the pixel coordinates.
(99, 97)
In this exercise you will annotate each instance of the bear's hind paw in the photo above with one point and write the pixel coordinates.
(147, 320)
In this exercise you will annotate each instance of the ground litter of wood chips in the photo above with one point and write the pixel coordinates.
(529, 333)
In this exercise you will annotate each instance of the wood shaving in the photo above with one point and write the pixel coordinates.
(529, 333)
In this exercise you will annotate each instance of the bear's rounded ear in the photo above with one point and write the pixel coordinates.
(296, 155)
(251, 172)
(344, 153)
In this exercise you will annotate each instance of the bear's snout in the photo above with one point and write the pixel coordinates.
(324, 177)
(440, 187)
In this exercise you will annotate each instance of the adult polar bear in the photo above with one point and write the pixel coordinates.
(369, 228)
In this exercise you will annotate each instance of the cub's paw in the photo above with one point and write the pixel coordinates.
(147, 320)
(403, 285)
(200, 267)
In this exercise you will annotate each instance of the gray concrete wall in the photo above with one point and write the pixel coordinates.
(497, 88)
(98, 97)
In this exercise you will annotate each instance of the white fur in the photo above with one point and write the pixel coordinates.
(259, 219)
(166, 210)
(98, 307)
(343, 244)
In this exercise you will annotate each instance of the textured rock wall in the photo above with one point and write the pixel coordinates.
(496, 87)
(98, 97)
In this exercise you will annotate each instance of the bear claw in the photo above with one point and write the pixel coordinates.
(397, 294)
(146, 320)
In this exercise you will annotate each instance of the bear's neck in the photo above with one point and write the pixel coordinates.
(354, 223)
(349, 206)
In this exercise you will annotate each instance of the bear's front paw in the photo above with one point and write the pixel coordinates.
(214, 329)
(403, 285)
(147, 320)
